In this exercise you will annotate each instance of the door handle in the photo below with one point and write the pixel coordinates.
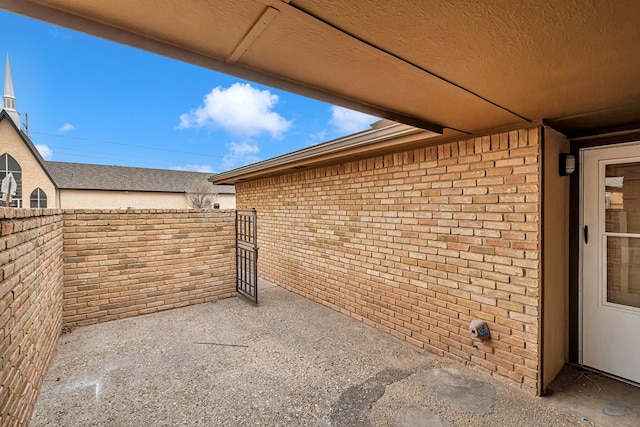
(586, 234)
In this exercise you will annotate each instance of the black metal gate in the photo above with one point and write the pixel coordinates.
(247, 254)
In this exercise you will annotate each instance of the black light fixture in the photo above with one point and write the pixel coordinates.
(566, 164)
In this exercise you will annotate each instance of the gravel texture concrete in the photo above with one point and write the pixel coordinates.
(287, 361)
(602, 400)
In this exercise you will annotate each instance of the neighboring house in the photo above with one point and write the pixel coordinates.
(42, 184)
(116, 187)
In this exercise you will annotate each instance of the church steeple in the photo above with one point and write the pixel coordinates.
(9, 99)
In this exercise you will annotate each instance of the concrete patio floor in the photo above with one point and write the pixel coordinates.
(287, 361)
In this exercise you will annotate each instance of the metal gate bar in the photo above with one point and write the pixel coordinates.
(247, 254)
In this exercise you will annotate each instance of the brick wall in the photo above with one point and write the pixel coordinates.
(418, 244)
(125, 263)
(30, 306)
(88, 266)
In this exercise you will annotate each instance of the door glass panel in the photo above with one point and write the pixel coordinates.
(623, 270)
(622, 198)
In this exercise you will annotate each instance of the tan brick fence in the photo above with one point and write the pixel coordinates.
(77, 267)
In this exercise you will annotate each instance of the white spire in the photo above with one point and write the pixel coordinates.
(9, 99)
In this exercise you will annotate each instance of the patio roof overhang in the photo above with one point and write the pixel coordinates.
(460, 66)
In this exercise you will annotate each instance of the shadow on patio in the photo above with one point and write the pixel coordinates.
(288, 361)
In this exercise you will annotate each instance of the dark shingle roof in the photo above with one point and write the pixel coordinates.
(80, 176)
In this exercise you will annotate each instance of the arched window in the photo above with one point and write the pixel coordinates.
(9, 164)
(38, 198)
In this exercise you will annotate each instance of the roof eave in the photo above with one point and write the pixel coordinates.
(120, 190)
(353, 146)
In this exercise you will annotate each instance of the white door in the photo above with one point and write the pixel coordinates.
(610, 312)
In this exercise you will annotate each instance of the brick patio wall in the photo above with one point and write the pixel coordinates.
(418, 244)
(87, 266)
(125, 263)
(30, 306)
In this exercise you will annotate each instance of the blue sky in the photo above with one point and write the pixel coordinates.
(94, 101)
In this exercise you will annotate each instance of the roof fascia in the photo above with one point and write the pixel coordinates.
(352, 145)
(334, 151)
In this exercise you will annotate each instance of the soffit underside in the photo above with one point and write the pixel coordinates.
(469, 66)
(542, 59)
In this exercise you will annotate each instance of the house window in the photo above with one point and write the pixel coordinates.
(38, 198)
(9, 164)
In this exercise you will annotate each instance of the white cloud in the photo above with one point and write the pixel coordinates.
(45, 151)
(349, 121)
(194, 168)
(240, 109)
(318, 136)
(66, 127)
(240, 154)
